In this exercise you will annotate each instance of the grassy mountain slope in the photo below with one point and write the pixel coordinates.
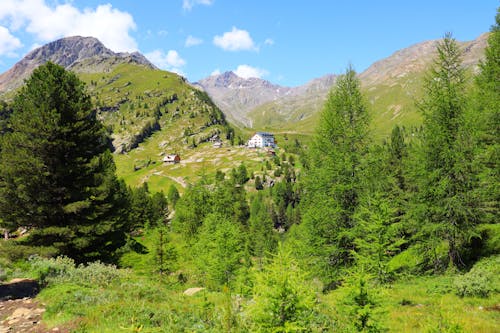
(151, 113)
(134, 101)
(391, 86)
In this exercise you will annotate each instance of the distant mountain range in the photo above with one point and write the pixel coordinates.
(238, 97)
(150, 112)
(391, 86)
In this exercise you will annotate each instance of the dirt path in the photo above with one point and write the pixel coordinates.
(19, 313)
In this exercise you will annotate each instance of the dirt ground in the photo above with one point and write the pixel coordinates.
(19, 312)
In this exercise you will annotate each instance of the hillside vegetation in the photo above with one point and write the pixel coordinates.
(134, 101)
(346, 233)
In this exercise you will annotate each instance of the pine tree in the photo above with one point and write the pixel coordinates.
(191, 210)
(487, 111)
(333, 181)
(173, 195)
(142, 211)
(361, 305)
(261, 234)
(446, 203)
(219, 250)
(397, 153)
(283, 300)
(57, 174)
(165, 255)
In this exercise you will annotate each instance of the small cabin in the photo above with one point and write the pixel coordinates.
(172, 159)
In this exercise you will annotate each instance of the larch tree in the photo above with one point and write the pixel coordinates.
(446, 201)
(333, 181)
(487, 111)
(57, 174)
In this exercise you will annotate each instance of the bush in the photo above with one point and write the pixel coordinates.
(63, 270)
(482, 280)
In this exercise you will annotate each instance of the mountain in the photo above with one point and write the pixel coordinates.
(297, 107)
(80, 54)
(133, 98)
(391, 86)
(415, 59)
(236, 96)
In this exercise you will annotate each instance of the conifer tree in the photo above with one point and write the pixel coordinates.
(219, 250)
(57, 174)
(173, 195)
(191, 209)
(261, 234)
(487, 111)
(283, 300)
(446, 200)
(333, 181)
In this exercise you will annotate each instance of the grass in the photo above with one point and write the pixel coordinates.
(139, 299)
(152, 304)
(428, 304)
(432, 306)
(196, 163)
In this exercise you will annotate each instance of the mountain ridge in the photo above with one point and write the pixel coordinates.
(390, 84)
(70, 53)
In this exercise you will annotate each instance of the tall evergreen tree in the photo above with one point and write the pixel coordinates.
(262, 237)
(191, 210)
(57, 174)
(173, 195)
(333, 182)
(487, 111)
(219, 250)
(446, 202)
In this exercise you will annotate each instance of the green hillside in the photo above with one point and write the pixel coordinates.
(151, 113)
(134, 101)
(390, 105)
(392, 86)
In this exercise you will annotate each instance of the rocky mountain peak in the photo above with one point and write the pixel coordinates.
(71, 53)
(236, 96)
(69, 50)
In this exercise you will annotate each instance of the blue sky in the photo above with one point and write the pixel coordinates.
(285, 42)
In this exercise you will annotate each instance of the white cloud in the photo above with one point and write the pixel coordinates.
(188, 4)
(246, 72)
(215, 72)
(162, 33)
(235, 40)
(171, 61)
(8, 43)
(192, 41)
(46, 22)
(269, 41)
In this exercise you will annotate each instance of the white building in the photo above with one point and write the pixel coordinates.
(261, 139)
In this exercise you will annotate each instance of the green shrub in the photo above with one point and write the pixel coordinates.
(482, 280)
(63, 270)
